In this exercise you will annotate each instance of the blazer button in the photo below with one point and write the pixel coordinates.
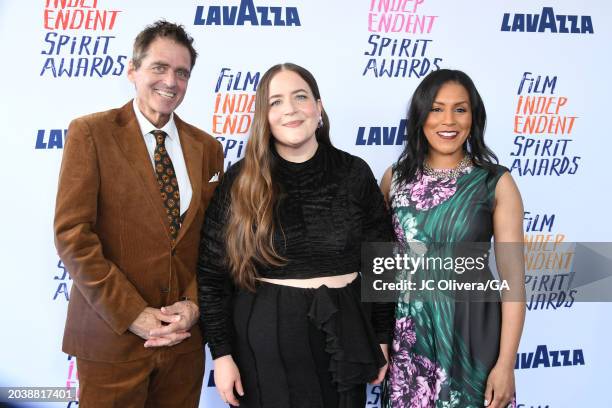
(165, 290)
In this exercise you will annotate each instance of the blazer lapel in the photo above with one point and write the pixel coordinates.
(129, 137)
(193, 151)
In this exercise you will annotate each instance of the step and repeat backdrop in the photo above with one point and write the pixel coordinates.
(542, 68)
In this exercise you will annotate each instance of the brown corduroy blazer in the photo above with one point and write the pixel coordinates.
(112, 233)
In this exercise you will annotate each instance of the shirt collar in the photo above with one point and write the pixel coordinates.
(147, 127)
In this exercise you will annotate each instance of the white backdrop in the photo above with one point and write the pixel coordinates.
(350, 47)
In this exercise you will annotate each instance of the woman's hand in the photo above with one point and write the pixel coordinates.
(500, 387)
(227, 377)
(383, 370)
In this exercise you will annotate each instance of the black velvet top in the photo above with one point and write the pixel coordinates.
(328, 205)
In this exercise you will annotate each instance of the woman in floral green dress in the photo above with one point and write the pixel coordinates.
(447, 188)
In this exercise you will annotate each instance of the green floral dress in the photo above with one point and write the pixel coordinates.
(443, 348)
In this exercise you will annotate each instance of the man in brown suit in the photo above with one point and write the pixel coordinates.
(133, 189)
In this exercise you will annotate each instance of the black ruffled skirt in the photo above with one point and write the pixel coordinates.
(304, 348)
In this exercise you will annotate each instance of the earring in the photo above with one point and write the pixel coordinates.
(320, 122)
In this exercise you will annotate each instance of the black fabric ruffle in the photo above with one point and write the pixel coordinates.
(355, 354)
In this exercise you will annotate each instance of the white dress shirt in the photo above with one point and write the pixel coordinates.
(173, 147)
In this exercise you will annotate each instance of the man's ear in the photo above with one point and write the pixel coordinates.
(131, 70)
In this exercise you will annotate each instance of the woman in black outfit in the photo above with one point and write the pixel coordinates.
(279, 288)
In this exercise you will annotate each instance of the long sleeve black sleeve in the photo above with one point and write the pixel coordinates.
(215, 287)
(376, 227)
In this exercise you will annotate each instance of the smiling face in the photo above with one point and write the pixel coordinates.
(161, 79)
(293, 115)
(448, 125)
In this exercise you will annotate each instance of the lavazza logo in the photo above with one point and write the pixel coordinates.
(247, 13)
(547, 21)
(543, 357)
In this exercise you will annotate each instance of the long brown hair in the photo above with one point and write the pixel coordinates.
(254, 194)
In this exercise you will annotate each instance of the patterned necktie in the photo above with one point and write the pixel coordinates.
(168, 185)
